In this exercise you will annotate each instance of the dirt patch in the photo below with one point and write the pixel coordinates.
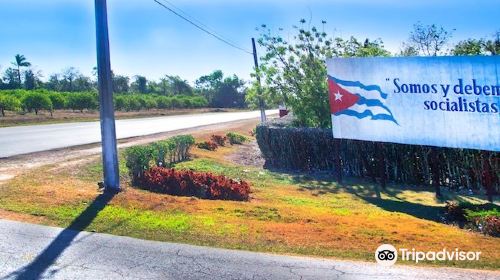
(13, 216)
(247, 154)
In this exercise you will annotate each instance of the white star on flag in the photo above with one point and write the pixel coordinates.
(338, 96)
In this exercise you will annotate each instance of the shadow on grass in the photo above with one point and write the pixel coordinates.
(49, 255)
(421, 211)
(323, 183)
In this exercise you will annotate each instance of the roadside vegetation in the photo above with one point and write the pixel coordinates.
(26, 98)
(296, 213)
(185, 192)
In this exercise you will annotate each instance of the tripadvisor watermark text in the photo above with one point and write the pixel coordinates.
(387, 255)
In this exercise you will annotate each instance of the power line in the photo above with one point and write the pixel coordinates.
(191, 18)
(198, 25)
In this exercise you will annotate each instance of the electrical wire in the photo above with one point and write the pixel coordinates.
(200, 26)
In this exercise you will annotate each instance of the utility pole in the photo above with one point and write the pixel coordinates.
(259, 86)
(107, 114)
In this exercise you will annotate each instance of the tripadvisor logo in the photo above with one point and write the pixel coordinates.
(387, 255)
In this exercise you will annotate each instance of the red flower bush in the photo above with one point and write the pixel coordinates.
(208, 145)
(489, 225)
(219, 139)
(198, 184)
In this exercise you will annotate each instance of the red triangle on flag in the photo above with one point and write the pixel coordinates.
(340, 99)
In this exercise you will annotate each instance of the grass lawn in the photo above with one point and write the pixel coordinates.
(288, 214)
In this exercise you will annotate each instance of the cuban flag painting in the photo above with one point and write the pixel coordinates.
(353, 98)
(450, 101)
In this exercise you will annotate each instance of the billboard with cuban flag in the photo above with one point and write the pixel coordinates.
(436, 101)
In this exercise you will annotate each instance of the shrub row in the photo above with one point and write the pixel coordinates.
(15, 100)
(208, 145)
(220, 141)
(34, 101)
(236, 139)
(311, 149)
(136, 102)
(162, 153)
(484, 218)
(199, 184)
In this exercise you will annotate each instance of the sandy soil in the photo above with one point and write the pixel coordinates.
(248, 155)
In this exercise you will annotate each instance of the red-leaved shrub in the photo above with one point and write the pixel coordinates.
(489, 225)
(199, 184)
(219, 139)
(207, 145)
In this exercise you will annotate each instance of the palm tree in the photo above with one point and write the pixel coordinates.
(20, 62)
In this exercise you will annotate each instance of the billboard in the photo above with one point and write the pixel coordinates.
(437, 101)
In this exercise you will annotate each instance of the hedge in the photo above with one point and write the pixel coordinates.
(484, 218)
(236, 138)
(311, 149)
(199, 184)
(162, 153)
(79, 101)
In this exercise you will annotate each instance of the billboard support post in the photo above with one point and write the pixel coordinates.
(338, 160)
(434, 155)
(381, 164)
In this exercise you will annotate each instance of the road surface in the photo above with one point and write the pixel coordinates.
(39, 252)
(28, 139)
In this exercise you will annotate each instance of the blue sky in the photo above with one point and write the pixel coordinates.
(146, 39)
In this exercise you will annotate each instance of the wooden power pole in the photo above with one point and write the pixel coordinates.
(107, 114)
(262, 105)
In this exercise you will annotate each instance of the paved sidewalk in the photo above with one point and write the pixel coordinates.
(38, 252)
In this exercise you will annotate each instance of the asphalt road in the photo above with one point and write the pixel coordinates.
(38, 252)
(28, 139)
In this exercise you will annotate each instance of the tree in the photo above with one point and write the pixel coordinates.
(429, 40)
(297, 71)
(492, 46)
(58, 100)
(12, 78)
(208, 84)
(468, 47)
(31, 79)
(121, 84)
(20, 61)
(231, 93)
(140, 84)
(179, 86)
(2, 85)
(83, 83)
(36, 101)
(163, 86)
(372, 48)
(69, 75)
(81, 101)
(54, 83)
(9, 103)
(222, 92)
(408, 50)
(355, 48)
(271, 98)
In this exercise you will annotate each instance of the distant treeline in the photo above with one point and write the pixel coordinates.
(36, 100)
(212, 90)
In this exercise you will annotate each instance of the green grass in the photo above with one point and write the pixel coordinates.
(288, 213)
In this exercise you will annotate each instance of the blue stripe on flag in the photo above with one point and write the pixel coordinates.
(372, 103)
(360, 85)
(365, 114)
